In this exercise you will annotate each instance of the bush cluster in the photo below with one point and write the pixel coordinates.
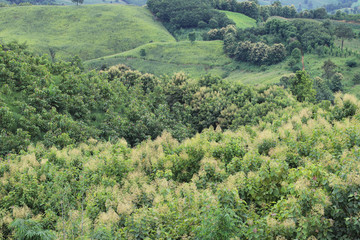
(295, 178)
(58, 104)
(188, 14)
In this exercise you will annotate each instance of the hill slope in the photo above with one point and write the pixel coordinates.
(195, 59)
(89, 31)
(241, 20)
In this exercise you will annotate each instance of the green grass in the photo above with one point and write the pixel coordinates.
(86, 2)
(183, 33)
(313, 64)
(250, 74)
(241, 20)
(201, 58)
(136, 2)
(195, 59)
(89, 31)
(316, 4)
(354, 44)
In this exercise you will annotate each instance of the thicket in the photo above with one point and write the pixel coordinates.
(285, 168)
(272, 42)
(254, 10)
(178, 14)
(58, 104)
(294, 177)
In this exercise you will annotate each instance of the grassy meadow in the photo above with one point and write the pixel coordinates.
(316, 4)
(196, 59)
(201, 58)
(136, 2)
(313, 64)
(86, 2)
(89, 31)
(241, 20)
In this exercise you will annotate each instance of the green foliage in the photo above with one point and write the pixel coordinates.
(259, 53)
(196, 60)
(344, 32)
(301, 85)
(336, 82)
(192, 37)
(329, 69)
(296, 178)
(142, 52)
(30, 230)
(187, 13)
(78, 2)
(356, 79)
(323, 91)
(267, 44)
(125, 155)
(351, 63)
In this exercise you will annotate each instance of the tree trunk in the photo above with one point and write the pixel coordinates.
(342, 44)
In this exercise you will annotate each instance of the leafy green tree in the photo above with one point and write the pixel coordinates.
(213, 23)
(295, 60)
(277, 53)
(323, 91)
(78, 2)
(142, 52)
(356, 78)
(30, 230)
(248, 8)
(336, 82)
(344, 32)
(259, 53)
(192, 37)
(301, 85)
(320, 13)
(329, 68)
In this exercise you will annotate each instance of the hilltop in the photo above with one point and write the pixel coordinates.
(89, 31)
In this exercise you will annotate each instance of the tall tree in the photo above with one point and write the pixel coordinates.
(329, 68)
(78, 2)
(344, 32)
(302, 86)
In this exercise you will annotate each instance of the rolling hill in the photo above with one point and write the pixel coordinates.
(89, 31)
(196, 59)
(305, 4)
(86, 2)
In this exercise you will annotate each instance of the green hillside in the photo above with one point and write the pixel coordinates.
(195, 59)
(88, 31)
(86, 2)
(241, 20)
(315, 4)
(136, 2)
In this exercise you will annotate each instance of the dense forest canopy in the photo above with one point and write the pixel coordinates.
(121, 154)
(287, 169)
